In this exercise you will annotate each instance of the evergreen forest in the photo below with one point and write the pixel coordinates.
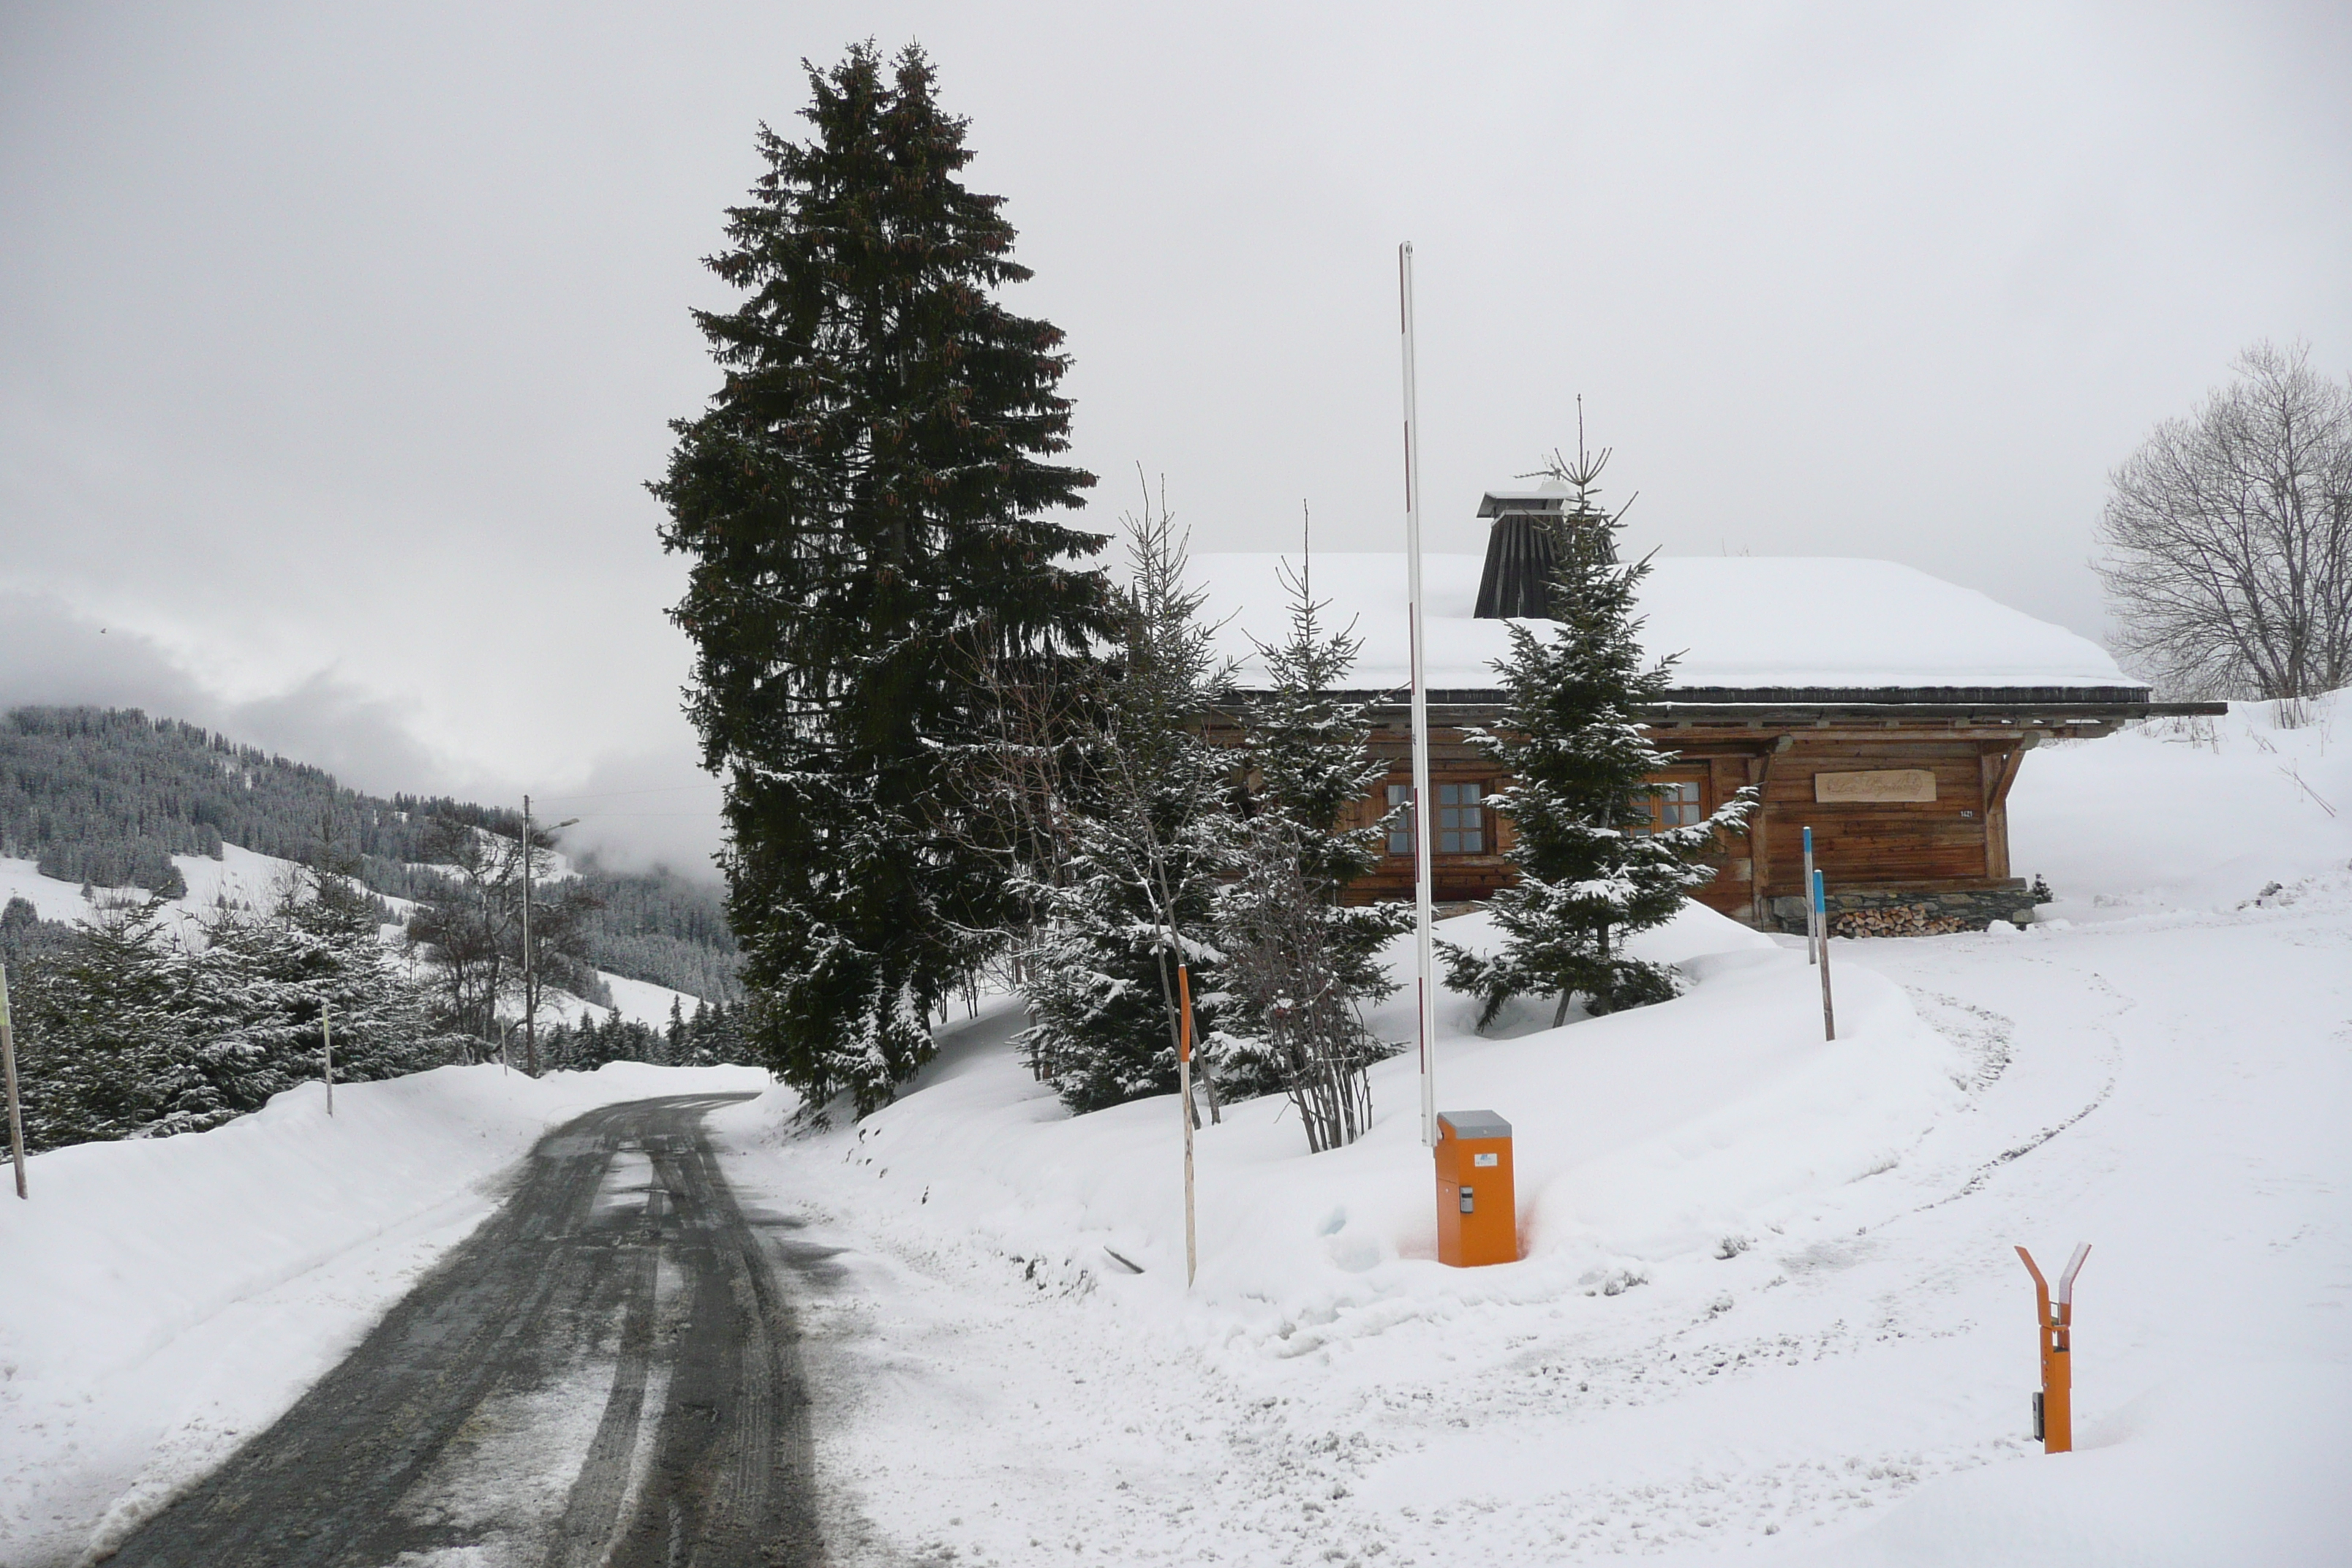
(105, 797)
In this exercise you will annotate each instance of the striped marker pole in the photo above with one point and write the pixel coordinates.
(1813, 931)
(1423, 913)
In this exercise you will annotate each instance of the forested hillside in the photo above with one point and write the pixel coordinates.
(107, 796)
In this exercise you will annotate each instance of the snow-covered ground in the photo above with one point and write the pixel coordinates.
(1769, 1309)
(162, 1299)
(1770, 1305)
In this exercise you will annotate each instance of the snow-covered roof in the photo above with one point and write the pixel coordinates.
(1743, 623)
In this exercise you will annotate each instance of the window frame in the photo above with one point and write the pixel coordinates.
(1399, 838)
(1660, 807)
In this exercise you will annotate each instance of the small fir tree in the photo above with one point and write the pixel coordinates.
(1145, 843)
(1300, 964)
(868, 495)
(1590, 869)
(97, 1022)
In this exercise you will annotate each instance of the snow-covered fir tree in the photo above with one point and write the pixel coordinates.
(266, 991)
(1299, 964)
(1148, 830)
(127, 1029)
(97, 1024)
(705, 1037)
(1593, 866)
(869, 495)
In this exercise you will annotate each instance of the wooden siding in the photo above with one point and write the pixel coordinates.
(1958, 841)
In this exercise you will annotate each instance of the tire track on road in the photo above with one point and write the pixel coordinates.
(413, 1449)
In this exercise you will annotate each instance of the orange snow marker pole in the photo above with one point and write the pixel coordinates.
(2053, 1408)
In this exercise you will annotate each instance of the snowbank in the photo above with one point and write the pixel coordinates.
(165, 1298)
(1638, 1137)
(1736, 621)
(2196, 814)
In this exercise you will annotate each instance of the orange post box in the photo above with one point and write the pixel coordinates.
(1477, 1209)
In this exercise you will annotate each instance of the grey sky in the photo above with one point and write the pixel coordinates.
(336, 342)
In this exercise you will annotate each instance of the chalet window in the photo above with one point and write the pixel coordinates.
(1461, 820)
(1676, 804)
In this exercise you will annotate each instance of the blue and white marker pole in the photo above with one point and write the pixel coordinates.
(1821, 925)
(1813, 930)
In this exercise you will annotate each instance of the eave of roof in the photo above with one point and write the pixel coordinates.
(2004, 706)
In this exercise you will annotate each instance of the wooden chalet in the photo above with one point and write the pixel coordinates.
(1886, 710)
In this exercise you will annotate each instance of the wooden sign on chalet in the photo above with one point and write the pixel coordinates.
(1888, 710)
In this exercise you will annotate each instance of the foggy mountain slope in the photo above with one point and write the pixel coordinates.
(107, 796)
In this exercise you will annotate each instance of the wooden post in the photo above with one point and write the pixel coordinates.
(1822, 923)
(1184, 1094)
(8, 1062)
(529, 995)
(2053, 1408)
(1759, 838)
(1999, 773)
(327, 1050)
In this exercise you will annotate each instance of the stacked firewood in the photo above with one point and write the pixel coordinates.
(1898, 920)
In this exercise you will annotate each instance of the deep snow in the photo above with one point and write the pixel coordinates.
(1731, 621)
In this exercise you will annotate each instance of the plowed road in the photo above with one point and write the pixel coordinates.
(605, 1372)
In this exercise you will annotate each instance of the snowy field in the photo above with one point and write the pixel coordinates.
(1769, 1311)
(1769, 1308)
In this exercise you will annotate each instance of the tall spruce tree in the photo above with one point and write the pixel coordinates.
(1299, 964)
(1591, 870)
(865, 500)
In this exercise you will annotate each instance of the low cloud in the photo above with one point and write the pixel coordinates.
(638, 809)
(643, 810)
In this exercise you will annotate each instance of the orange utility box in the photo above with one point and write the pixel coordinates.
(1477, 1210)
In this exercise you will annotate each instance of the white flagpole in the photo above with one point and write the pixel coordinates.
(1424, 916)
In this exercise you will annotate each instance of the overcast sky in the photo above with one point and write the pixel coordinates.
(336, 342)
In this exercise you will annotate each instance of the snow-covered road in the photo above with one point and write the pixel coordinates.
(605, 1373)
(162, 1301)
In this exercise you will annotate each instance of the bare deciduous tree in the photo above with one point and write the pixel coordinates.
(1286, 964)
(2229, 537)
(469, 936)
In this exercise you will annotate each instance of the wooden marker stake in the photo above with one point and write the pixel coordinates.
(1822, 921)
(326, 1052)
(2053, 1408)
(8, 1062)
(1184, 1095)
